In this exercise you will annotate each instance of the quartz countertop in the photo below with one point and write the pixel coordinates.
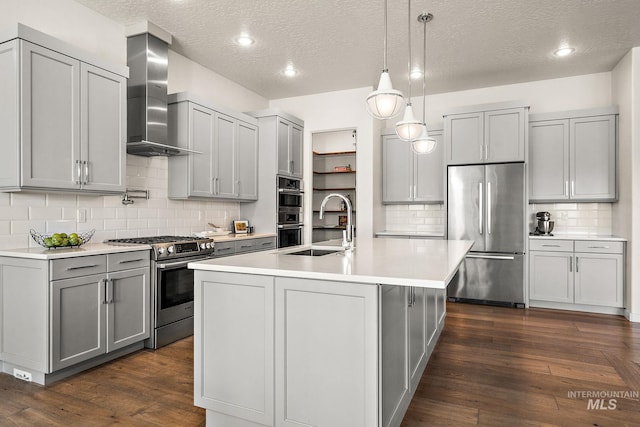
(568, 236)
(417, 262)
(233, 237)
(391, 233)
(84, 250)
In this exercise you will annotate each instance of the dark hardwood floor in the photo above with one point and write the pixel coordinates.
(493, 366)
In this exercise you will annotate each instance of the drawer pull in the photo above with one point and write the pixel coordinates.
(246, 246)
(81, 267)
(266, 243)
(131, 260)
(551, 246)
(598, 247)
(223, 249)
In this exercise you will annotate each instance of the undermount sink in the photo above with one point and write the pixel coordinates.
(314, 252)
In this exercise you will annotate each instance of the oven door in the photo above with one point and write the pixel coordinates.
(289, 216)
(289, 199)
(174, 290)
(289, 235)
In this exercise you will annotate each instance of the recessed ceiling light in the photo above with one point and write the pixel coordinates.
(290, 71)
(416, 74)
(564, 51)
(244, 40)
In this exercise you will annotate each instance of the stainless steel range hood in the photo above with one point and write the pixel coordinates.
(147, 58)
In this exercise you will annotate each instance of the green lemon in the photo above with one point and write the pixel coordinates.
(48, 242)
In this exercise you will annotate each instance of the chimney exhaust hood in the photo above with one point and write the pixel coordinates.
(147, 58)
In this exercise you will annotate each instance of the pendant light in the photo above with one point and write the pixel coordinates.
(409, 128)
(385, 102)
(424, 144)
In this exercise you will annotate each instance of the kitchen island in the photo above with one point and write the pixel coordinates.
(339, 339)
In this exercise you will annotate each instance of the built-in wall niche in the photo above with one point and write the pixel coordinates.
(334, 171)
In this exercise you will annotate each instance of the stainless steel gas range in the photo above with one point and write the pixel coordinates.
(171, 284)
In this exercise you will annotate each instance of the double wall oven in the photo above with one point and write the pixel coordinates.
(289, 205)
(171, 284)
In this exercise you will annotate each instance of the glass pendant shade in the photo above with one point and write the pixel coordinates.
(409, 128)
(386, 102)
(424, 144)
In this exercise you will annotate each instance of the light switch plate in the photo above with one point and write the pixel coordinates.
(81, 215)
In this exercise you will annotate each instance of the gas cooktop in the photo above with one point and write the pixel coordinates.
(165, 247)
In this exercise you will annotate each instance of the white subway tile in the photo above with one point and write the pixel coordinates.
(133, 224)
(14, 212)
(5, 199)
(45, 213)
(127, 212)
(103, 213)
(61, 200)
(28, 199)
(115, 224)
(16, 241)
(90, 201)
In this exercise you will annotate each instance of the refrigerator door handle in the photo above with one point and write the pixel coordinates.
(488, 208)
(480, 207)
(502, 257)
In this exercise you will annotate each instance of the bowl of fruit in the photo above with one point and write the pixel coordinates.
(62, 240)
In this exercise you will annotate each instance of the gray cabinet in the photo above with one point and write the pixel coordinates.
(98, 313)
(289, 146)
(573, 156)
(77, 311)
(408, 177)
(486, 134)
(227, 164)
(65, 122)
(586, 275)
(243, 245)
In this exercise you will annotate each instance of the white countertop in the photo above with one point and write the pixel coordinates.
(422, 263)
(233, 237)
(563, 236)
(409, 234)
(84, 250)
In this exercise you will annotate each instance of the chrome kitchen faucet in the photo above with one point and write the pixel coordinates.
(347, 234)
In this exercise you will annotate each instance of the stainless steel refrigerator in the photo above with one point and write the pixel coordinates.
(486, 204)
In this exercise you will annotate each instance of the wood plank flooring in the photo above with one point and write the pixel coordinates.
(496, 366)
(493, 366)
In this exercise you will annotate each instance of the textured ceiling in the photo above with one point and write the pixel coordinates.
(337, 44)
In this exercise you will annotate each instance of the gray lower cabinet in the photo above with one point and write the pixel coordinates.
(301, 346)
(572, 156)
(486, 134)
(226, 166)
(96, 305)
(63, 122)
(408, 177)
(585, 275)
(243, 245)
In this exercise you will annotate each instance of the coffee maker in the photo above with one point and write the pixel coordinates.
(545, 225)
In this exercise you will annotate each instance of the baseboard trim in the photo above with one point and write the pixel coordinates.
(631, 317)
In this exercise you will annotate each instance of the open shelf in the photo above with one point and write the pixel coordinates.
(335, 189)
(333, 173)
(335, 153)
(335, 211)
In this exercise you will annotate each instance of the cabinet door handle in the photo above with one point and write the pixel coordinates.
(481, 151)
(577, 265)
(291, 166)
(81, 267)
(78, 172)
(415, 191)
(573, 188)
(570, 264)
(86, 172)
(104, 288)
(486, 151)
(489, 201)
(566, 188)
(109, 290)
(238, 188)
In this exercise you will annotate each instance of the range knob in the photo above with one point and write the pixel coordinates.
(209, 245)
(160, 250)
(203, 246)
(170, 249)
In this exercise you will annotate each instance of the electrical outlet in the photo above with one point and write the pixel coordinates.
(81, 215)
(22, 375)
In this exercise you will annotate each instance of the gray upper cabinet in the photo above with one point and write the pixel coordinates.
(289, 137)
(63, 120)
(226, 166)
(492, 133)
(408, 177)
(572, 156)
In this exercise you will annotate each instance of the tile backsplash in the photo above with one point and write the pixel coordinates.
(423, 218)
(61, 212)
(574, 218)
